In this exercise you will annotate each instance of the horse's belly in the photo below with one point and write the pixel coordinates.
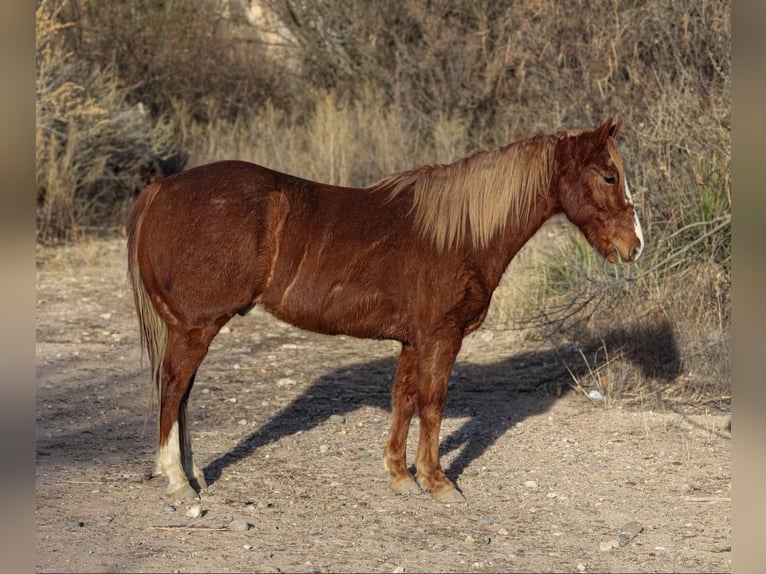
(341, 309)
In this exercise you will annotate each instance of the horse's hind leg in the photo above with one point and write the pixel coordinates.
(193, 472)
(184, 354)
(403, 400)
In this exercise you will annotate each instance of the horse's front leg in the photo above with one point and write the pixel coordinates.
(434, 368)
(403, 401)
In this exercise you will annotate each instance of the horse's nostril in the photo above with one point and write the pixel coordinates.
(635, 252)
(615, 254)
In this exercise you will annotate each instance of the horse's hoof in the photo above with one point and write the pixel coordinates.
(184, 492)
(448, 495)
(405, 486)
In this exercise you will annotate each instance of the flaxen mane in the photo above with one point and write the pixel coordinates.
(478, 192)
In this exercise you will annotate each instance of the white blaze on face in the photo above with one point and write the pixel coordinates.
(636, 222)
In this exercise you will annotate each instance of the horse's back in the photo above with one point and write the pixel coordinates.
(229, 180)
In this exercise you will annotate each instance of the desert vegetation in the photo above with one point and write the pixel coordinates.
(349, 91)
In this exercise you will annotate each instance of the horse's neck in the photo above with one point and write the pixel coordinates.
(507, 244)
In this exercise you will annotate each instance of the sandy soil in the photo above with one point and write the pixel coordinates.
(290, 428)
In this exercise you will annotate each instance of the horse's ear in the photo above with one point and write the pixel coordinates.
(615, 128)
(607, 130)
(603, 132)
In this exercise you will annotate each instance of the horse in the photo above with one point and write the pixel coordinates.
(413, 258)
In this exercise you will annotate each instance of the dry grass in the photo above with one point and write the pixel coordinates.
(380, 90)
(337, 141)
(94, 149)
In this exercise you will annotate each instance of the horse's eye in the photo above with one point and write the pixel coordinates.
(610, 179)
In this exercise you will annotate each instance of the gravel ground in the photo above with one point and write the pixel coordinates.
(290, 427)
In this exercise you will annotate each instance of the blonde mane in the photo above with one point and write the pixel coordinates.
(478, 192)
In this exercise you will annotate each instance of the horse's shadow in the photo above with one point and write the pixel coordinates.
(492, 398)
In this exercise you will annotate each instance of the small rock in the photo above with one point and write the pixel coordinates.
(168, 508)
(628, 532)
(622, 539)
(580, 567)
(608, 545)
(263, 503)
(246, 546)
(239, 525)
(398, 570)
(337, 419)
(242, 422)
(324, 447)
(530, 484)
(285, 382)
(494, 487)
(595, 395)
(632, 528)
(478, 539)
(194, 512)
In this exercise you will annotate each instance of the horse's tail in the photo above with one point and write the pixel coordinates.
(153, 330)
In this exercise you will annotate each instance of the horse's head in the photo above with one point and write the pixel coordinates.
(594, 194)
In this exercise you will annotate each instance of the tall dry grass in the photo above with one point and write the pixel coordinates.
(337, 141)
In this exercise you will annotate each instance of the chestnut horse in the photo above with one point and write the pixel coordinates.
(414, 258)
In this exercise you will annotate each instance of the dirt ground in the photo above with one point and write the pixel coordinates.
(290, 427)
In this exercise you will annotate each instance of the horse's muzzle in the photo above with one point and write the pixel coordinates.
(616, 256)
